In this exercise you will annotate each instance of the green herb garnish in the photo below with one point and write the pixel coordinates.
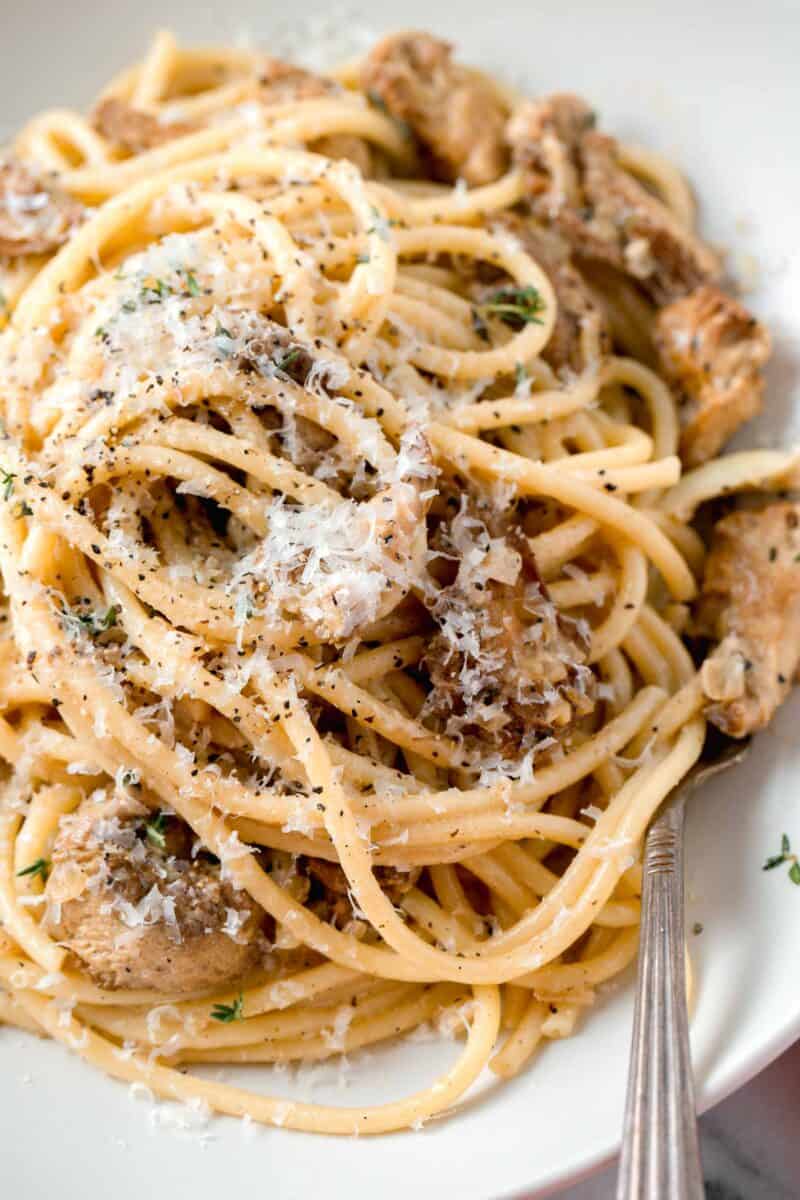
(95, 623)
(289, 358)
(154, 293)
(221, 336)
(192, 286)
(517, 307)
(785, 856)
(109, 617)
(25, 509)
(229, 1012)
(155, 830)
(41, 868)
(520, 375)
(7, 482)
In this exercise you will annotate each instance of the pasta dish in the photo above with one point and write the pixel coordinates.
(372, 564)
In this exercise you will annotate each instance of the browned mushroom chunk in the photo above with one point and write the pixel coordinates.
(750, 604)
(282, 83)
(577, 183)
(505, 664)
(35, 215)
(336, 904)
(133, 129)
(136, 130)
(138, 910)
(713, 351)
(581, 330)
(457, 118)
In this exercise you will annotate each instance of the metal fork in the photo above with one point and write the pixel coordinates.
(660, 1157)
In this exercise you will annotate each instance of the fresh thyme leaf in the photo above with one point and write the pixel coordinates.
(785, 856)
(222, 337)
(520, 374)
(7, 482)
(229, 1012)
(109, 617)
(41, 868)
(154, 293)
(192, 286)
(517, 307)
(25, 509)
(289, 358)
(155, 829)
(95, 623)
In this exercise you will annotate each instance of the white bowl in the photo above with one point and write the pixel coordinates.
(714, 85)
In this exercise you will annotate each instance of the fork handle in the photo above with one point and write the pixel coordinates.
(660, 1157)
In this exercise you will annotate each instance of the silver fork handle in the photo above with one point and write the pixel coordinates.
(660, 1157)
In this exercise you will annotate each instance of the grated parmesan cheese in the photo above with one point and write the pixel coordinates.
(335, 1037)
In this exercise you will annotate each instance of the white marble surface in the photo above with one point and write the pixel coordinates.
(750, 1142)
